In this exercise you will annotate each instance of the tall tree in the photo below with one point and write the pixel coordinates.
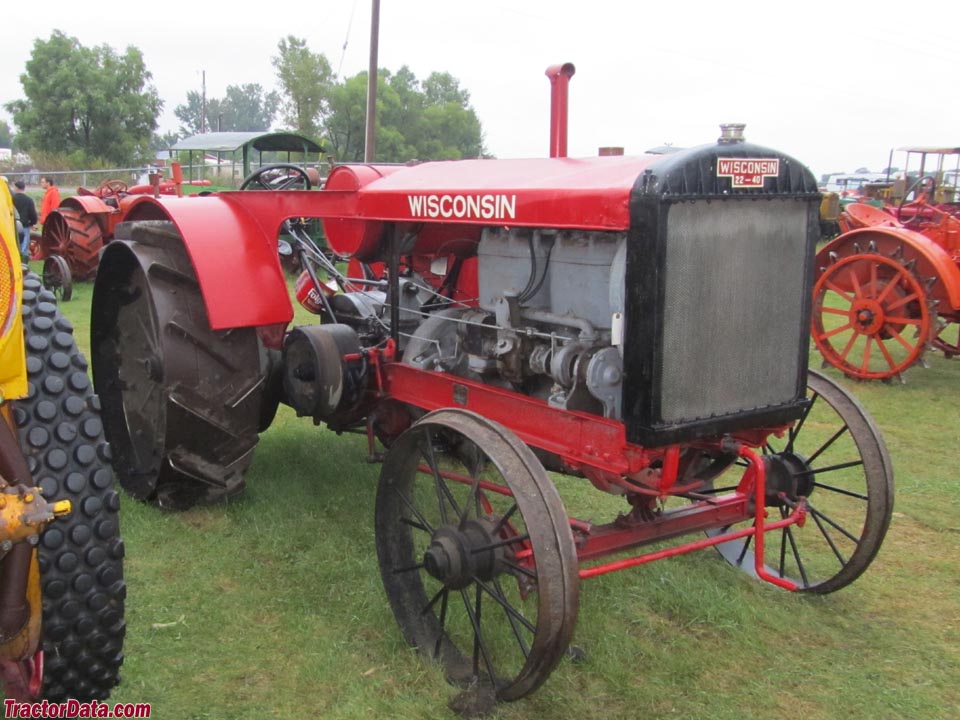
(244, 108)
(163, 142)
(247, 108)
(90, 100)
(6, 135)
(432, 120)
(190, 114)
(306, 79)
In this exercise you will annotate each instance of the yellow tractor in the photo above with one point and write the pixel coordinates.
(61, 556)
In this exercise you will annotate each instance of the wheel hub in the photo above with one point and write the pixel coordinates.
(788, 474)
(458, 555)
(866, 315)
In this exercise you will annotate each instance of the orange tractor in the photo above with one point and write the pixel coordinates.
(75, 233)
(888, 288)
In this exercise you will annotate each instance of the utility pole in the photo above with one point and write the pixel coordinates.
(203, 104)
(370, 140)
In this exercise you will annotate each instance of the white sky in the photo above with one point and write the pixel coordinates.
(835, 84)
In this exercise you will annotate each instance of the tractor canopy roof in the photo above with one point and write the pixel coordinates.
(244, 142)
(931, 150)
(260, 141)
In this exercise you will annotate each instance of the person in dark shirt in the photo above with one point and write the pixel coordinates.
(28, 216)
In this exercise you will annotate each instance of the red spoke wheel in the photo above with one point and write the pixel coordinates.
(835, 459)
(76, 236)
(871, 316)
(476, 553)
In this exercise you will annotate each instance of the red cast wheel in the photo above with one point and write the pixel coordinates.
(871, 316)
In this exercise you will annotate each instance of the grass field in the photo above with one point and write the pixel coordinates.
(272, 606)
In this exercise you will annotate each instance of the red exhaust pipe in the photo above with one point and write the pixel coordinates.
(559, 82)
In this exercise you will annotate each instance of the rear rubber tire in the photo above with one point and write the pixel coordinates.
(80, 556)
(182, 402)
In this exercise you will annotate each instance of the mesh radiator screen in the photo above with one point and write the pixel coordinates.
(734, 302)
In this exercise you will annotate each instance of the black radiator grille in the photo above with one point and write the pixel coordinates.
(733, 306)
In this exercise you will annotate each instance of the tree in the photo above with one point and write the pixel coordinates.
(245, 108)
(190, 114)
(90, 101)
(306, 80)
(431, 120)
(6, 135)
(163, 142)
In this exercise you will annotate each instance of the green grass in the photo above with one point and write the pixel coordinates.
(272, 606)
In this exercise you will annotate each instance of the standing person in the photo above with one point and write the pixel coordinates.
(28, 216)
(51, 197)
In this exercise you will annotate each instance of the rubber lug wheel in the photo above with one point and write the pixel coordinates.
(476, 553)
(182, 403)
(80, 556)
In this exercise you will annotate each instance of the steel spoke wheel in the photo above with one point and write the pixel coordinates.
(57, 277)
(948, 339)
(871, 316)
(835, 458)
(476, 552)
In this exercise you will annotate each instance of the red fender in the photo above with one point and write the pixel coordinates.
(932, 260)
(235, 258)
(87, 203)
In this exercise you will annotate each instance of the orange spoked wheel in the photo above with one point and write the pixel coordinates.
(76, 236)
(871, 316)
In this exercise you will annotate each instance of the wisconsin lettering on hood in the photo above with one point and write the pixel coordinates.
(468, 207)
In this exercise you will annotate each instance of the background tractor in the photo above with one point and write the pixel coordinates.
(61, 573)
(888, 288)
(76, 232)
(537, 325)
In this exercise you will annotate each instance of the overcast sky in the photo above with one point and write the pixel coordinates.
(835, 84)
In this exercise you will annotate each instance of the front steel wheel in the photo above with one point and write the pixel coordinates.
(834, 459)
(476, 553)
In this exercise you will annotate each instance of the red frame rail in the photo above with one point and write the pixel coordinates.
(589, 442)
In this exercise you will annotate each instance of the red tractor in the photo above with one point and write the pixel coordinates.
(76, 232)
(888, 288)
(622, 322)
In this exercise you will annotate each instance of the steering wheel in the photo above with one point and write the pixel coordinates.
(920, 189)
(277, 177)
(111, 188)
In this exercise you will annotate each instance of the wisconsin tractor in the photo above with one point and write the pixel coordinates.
(620, 322)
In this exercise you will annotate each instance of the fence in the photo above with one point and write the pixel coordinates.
(222, 175)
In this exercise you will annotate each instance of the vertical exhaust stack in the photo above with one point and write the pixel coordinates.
(559, 83)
